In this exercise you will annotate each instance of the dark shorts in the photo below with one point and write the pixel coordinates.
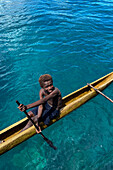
(48, 114)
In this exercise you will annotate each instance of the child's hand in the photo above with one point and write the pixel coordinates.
(38, 131)
(22, 107)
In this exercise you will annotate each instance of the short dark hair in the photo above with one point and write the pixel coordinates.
(43, 78)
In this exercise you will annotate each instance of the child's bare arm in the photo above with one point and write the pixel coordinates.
(43, 100)
(39, 102)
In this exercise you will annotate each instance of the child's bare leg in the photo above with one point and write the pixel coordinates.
(29, 124)
(31, 114)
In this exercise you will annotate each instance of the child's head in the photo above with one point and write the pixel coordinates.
(44, 78)
(46, 82)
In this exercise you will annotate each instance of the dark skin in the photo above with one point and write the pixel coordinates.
(49, 94)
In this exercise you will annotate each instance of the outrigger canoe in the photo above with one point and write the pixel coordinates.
(11, 134)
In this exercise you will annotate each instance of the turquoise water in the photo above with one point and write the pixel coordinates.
(72, 41)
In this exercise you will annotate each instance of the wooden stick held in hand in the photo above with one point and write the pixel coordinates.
(46, 139)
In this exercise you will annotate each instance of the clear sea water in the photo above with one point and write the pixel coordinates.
(72, 41)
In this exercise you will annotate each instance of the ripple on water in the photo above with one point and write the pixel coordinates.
(72, 41)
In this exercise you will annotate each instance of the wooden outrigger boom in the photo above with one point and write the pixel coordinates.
(11, 134)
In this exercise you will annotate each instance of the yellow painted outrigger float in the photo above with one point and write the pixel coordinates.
(11, 134)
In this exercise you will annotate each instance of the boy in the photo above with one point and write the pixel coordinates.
(48, 107)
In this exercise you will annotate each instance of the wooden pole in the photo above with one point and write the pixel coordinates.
(46, 139)
(100, 92)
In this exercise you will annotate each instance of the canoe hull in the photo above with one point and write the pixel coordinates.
(71, 102)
